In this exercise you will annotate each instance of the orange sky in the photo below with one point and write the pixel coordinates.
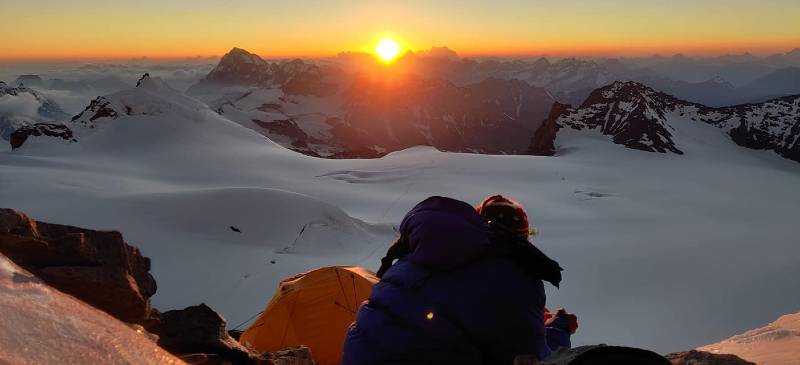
(53, 29)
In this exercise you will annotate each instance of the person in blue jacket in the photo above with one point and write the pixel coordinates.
(466, 289)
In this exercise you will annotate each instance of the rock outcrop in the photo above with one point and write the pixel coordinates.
(604, 355)
(544, 139)
(98, 267)
(19, 136)
(695, 357)
(200, 330)
(294, 356)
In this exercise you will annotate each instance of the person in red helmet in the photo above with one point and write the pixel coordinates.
(509, 213)
(512, 229)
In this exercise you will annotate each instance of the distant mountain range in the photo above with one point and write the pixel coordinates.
(318, 112)
(99, 84)
(321, 109)
(367, 116)
(571, 80)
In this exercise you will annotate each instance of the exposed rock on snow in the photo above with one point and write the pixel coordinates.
(632, 114)
(200, 330)
(543, 142)
(771, 125)
(639, 117)
(775, 344)
(151, 97)
(19, 136)
(98, 108)
(40, 325)
(695, 357)
(94, 266)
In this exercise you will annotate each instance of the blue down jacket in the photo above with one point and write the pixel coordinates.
(449, 300)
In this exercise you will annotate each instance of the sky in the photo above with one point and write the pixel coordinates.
(91, 29)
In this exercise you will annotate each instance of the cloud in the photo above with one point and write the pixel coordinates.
(72, 85)
(22, 106)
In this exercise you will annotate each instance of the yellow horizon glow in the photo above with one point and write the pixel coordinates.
(97, 29)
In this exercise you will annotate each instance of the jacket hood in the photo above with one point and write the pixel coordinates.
(443, 233)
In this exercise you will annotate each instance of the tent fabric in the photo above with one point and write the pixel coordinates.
(312, 309)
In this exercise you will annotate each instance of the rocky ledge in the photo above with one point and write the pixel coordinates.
(98, 267)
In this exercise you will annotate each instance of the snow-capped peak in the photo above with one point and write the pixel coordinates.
(619, 90)
(719, 80)
(238, 55)
(154, 84)
(151, 96)
(542, 62)
(237, 67)
(632, 113)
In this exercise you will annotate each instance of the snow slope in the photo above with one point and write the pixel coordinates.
(661, 251)
(41, 325)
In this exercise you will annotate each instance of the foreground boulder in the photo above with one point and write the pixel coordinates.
(41, 325)
(200, 331)
(295, 356)
(695, 357)
(98, 267)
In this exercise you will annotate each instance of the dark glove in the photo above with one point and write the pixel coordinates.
(563, 321)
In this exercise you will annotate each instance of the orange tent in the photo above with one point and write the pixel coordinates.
(312, 309)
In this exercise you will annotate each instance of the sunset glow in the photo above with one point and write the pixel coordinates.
(118, 30)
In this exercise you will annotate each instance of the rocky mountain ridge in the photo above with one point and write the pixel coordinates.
(368, 116)
(641, 118)
(241, 68)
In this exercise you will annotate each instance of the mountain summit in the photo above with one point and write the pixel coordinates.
(239, 67)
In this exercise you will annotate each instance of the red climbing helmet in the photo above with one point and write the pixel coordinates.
(507, 212)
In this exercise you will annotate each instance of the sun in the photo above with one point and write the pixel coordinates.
(387, 49)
